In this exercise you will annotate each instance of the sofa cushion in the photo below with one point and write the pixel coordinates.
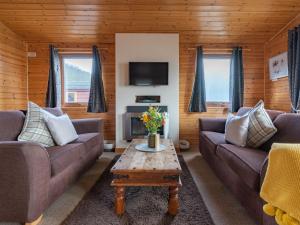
(11, 125)
(261, 127)
(35, 128)
(89, 140)
(63, 156)
(61, 129)
(246, 162)
(288, 130)
(212, 140)
(236, 129)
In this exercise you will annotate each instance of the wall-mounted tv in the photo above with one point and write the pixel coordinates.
(148, 73)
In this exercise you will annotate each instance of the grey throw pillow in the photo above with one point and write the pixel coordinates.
(236, 129)
(261, 127)
(61, 128)
(35, 128)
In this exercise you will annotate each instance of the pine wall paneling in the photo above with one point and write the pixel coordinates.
(277, 92)
(38, 78)
(13, 70)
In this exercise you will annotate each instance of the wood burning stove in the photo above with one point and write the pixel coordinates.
(134, 127)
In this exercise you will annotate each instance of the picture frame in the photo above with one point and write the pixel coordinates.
(278, 66)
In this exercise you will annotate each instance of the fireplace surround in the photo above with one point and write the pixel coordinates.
(134, 127)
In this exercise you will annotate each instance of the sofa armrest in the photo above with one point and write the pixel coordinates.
(212, 124)
(24, 181)
(88, 125)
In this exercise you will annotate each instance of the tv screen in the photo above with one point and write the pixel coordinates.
(148, 73)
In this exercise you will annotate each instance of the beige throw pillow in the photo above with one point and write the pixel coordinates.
(236, 129)
(261, 127)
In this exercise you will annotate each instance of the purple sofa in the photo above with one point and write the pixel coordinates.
(31, 176)
(242, 170)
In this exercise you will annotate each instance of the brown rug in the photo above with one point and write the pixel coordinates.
(144, 206)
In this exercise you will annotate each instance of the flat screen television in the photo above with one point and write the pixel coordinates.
(148, 73)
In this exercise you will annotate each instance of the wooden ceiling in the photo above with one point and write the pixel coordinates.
(197, 21)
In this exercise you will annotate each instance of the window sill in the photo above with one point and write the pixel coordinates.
(217, 105)
(74, 105)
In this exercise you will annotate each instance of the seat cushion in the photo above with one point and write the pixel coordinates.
(212, 140)
(89, 140)
(63, 156)
(246, 162)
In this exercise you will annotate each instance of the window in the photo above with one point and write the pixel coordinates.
(216, 75)
(76, 78)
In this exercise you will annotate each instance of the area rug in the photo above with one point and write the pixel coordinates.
(144, 205)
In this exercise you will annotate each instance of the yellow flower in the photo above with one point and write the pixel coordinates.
(145, 118)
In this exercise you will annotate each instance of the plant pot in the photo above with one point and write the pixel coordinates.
(151, 140)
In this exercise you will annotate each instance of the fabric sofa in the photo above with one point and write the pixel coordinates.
(243, 169)
(31, 176)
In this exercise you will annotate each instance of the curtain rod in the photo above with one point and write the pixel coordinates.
(74, 52)
(79, 49)
(218, 49)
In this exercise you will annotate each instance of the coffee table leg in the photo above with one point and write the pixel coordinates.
(173, 200)
(120, 201)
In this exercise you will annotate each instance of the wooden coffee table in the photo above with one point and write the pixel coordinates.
(135, 168)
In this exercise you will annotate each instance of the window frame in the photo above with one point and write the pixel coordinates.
(213, 104)
(72, 56)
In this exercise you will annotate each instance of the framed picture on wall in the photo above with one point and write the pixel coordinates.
(278, 66)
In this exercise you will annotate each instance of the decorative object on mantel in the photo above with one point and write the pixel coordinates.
(278, 66)
(153, 120)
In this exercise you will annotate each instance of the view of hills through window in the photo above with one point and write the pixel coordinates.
(77, 79)
(216, 74)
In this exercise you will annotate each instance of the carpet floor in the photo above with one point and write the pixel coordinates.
(144, 206)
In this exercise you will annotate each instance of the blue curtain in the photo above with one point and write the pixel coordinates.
(236, 83)
(53, 96)
(198, 98)
(294, 67)
(96, 102)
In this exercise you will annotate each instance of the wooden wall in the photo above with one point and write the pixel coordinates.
(13, 70)
(38, 77)
(253, 57)
(277, 92)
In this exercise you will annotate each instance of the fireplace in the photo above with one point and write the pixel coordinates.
(134, 127)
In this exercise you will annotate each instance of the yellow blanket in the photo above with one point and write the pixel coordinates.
(281, 186)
